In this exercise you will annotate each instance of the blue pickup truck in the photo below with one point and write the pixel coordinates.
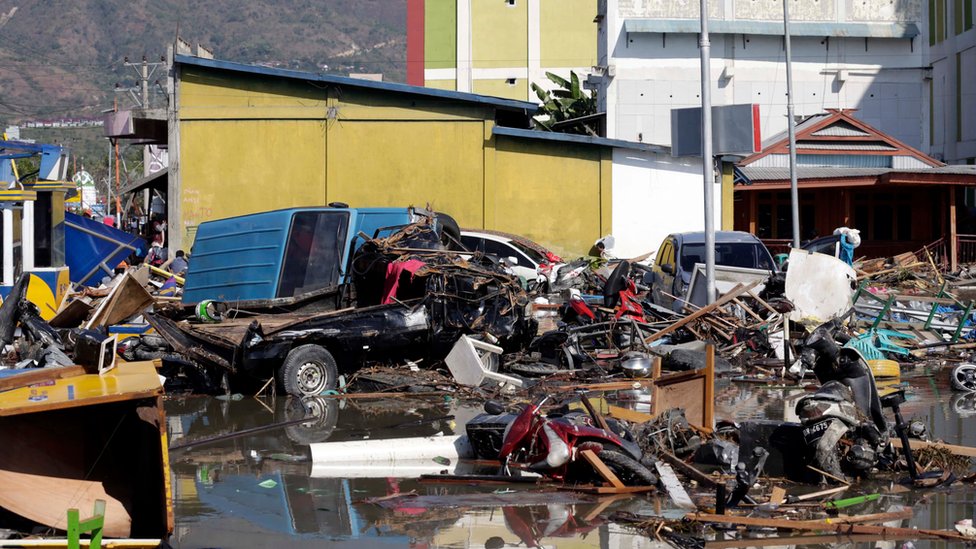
(284, 258)
(337, 288)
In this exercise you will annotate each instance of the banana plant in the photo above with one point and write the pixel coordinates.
(566, 103)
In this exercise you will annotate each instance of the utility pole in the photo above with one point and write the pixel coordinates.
(708, 175)
(791, 126)
(145, 70)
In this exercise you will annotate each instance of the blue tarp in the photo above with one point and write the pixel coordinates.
(93, 249)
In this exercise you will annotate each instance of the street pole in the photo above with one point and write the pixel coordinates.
(708, 175)
(791, 125)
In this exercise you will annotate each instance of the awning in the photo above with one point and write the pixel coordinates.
(157, 180)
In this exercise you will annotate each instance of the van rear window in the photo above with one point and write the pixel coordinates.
(313, 252)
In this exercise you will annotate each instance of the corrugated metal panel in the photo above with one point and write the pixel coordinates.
(804, 124)
(841, 129)
(907, 163)
(772, 161)
(845, 146)
(845, 160)
(775, 28)
(759, 173)
(807, 172)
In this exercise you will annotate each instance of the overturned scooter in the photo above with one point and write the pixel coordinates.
(843, 422)
(551, 444)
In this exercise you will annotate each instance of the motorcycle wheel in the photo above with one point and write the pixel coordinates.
(963, 377)
(629, 471)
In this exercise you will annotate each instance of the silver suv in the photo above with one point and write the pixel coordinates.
(676, 258)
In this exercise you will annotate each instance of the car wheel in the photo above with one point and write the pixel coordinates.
(322, 414)
(308, 370)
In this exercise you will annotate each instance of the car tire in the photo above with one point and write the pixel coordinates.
(630, 471)
(308, 370)
(322, 414)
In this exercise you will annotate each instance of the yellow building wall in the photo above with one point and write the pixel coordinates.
(235, 167)
(501, 88)
(441, 84)
(499, 34)
(409, 163)
(552, 193)
(252, 143)
(567, 33)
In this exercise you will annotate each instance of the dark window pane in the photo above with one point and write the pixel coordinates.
(883, 223)
(764, 225)
(473, 243)
(784, 221)
(861, 219)
(313, 251)
(904, 222)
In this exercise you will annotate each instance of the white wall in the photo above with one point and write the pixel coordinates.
(654, 73)
(655, 195)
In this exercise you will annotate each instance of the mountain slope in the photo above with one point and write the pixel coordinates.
(64, 59)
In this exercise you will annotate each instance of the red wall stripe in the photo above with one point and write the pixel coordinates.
(415, 42)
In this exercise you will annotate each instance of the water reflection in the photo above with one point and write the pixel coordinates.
(256, 490)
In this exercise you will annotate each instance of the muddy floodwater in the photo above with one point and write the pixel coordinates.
(259, 490)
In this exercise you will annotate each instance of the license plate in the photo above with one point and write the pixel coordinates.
(813, 433)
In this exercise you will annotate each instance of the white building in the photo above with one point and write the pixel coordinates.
(868, 55)
(952, 84)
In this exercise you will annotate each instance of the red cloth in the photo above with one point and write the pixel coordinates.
(393, 271)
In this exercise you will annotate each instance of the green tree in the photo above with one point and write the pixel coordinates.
(565, 109)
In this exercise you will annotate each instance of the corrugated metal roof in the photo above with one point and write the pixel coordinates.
(804, 124)
(754, 173)
(573, 138)
(845, 146)
(775, 28)
(841, 129)
(501, 103)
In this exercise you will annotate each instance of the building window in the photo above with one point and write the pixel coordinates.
(775, 216)
(883, 216)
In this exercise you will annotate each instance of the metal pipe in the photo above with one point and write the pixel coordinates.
(27, 237)
(708, 176)
(791, 126)
(8, 246)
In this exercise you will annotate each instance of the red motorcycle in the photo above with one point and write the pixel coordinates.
(551, 445)
(619, 295)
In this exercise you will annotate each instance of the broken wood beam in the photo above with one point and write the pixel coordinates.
(965, 451)
(843, 525)
(735, 292)
(687, 470)
(601, 468)
(39, 375)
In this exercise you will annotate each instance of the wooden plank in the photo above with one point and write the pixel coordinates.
(778, 495)
(688, 393)
(626, 414)
(72, 314)
(608, 490)
(801, 541)
(688, 470)
(708, 412)
(39, 375)
(128, 298)
(735, 292)
(601, 468)
(843, 525)
(820, 494)
(673, 486)
(966, 451)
